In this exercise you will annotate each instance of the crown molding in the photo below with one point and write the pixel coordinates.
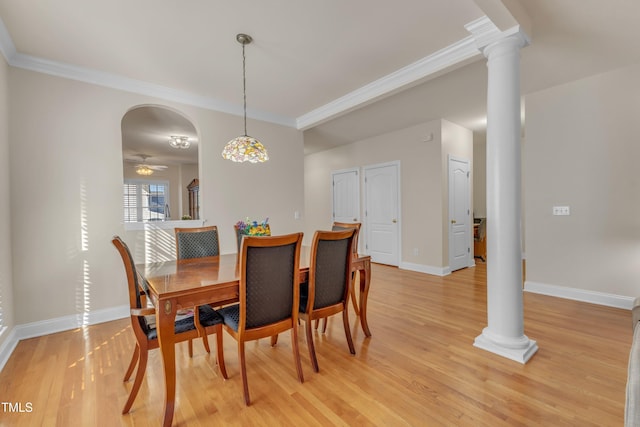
(457, 53)
(418, 72)
(126, 84)
(87, 75)
(7, 48)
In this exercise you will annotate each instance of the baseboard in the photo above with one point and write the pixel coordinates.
(60, 324)
(600, 298)
(427, 269)
(7, 347)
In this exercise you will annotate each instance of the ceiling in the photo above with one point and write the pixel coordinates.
(330, 68)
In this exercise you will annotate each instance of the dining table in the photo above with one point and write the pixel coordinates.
(181, 284)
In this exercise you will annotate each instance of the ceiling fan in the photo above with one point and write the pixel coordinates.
(146, 169)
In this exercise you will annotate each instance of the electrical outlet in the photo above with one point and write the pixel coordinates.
(561, 210)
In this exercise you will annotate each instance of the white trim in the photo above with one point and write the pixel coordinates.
(410, 75)
(519, 354)
(427, 269)
(113, 81)
(7, 347)
(163, 225)
(600, 298)
(60, 324)
(456, 54)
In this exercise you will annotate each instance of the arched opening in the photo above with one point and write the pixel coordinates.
(161, 180)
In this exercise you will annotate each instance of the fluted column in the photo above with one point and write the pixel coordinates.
(504, 334)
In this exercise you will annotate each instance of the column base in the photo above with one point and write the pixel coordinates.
(519, 350)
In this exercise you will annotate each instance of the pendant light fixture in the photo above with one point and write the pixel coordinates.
(245, 148)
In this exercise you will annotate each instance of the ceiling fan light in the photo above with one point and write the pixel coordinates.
(144, 170)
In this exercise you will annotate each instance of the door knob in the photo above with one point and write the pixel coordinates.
(355, 219)
(453, 221)
(394, 220)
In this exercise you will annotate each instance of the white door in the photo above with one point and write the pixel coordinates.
(382, 212)
(346, 195)
(459, 214)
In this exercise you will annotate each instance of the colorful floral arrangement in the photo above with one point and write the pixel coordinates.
(253, 228)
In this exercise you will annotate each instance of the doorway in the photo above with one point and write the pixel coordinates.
(382, 212)
(459, 214)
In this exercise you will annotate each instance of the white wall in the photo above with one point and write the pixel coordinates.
(582, 150)
(423, 167)
(66, 180)
(6, 279)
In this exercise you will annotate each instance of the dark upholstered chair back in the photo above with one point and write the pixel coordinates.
(269, 276)
(197, 242)
(329, 285)
(339, 226)
(331, 272)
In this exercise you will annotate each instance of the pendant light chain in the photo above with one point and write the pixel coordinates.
(244, 87)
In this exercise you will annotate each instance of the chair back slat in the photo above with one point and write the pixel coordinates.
(137, 287)
(133, 282)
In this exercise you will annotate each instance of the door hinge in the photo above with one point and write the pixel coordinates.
(468, 250)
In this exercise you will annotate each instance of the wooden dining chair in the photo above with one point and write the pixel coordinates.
(197, 242)
(337, 226)
(205, 319)
(238, 236)
(327, 291)
(269, 296)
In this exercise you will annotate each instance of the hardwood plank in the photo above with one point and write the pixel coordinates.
(418, 368)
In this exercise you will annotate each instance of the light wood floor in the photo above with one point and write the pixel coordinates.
(418, 369)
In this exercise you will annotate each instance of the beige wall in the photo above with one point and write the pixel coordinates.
(6, 279)
(479, 175)
(70, 133)
(582, 150)
(423, 167)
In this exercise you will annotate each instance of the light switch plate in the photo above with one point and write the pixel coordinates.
(561, 210)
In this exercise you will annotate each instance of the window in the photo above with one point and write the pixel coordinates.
(146, 200)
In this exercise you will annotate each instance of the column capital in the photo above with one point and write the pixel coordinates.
(486, 33)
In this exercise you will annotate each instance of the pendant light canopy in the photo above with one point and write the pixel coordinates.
(245, 148)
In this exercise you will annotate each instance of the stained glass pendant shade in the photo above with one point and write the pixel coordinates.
(245, 148)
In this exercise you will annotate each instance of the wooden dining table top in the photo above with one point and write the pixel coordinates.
(173, 277)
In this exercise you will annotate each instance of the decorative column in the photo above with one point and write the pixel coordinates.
(504, 334)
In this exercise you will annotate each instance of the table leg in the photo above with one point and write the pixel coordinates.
(365, 281)
(352, 293)
(165, 324)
